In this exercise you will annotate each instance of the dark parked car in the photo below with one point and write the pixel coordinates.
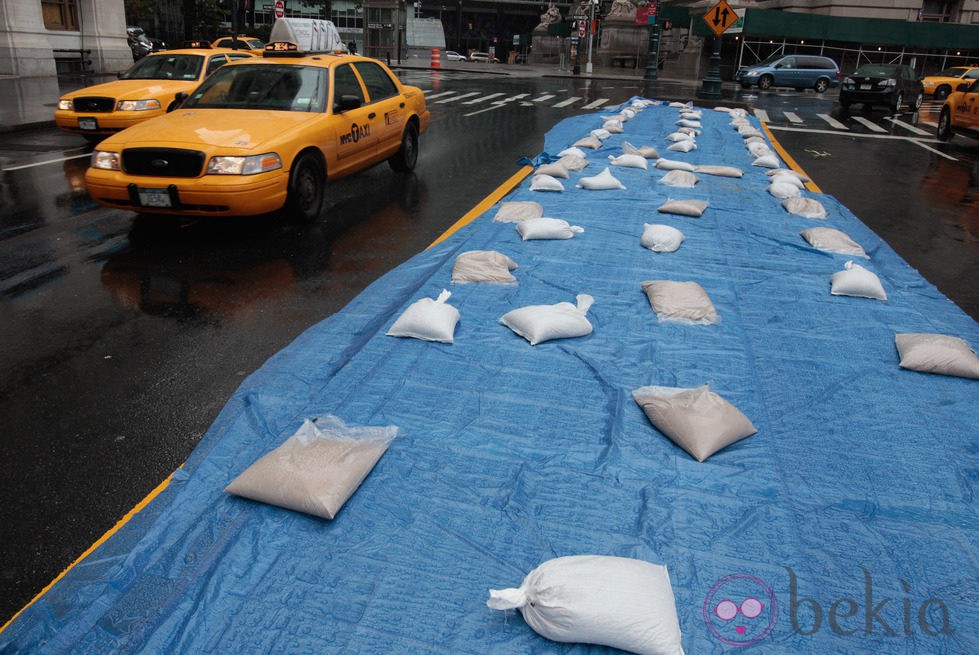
(883, 84)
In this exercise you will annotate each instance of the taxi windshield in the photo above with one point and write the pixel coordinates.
(262, 86)
(166, 67)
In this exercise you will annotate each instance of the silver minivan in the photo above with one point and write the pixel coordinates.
(797, 71)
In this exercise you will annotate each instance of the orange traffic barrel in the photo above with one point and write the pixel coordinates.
(436, 58)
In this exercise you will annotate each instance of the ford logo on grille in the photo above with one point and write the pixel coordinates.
(159, 163)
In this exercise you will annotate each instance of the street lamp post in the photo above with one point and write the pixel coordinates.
(591, 32)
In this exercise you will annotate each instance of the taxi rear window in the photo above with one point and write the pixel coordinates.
(166, 67)
(267, 86)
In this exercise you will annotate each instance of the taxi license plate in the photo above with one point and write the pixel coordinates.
(88, 123)
(865, 87)
(154, 198)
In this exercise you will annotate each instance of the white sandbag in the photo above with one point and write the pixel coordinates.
(518, 210)
(855, 280)
(693, 208)
(428, 319)
(691, 114)
(805, 207)
(758, 149)
(674, 165)
(829, 240)
(601, 133)
(783, 178)
(540, 323)
(766, 161)
(573, 162)
(547, 228)
(545, 183)
(683, 122)
(787, 171)
(572, 151)
(660, 238)
(673, 137)
(678, 178)
(317, 469)
(683, 146)
(613, 126)
(720, 171)
(554, 169)
(629, 161)
(937, 353)
(698, 420)
(604, 180)
(689, 130)
(618, 602)
(648, 152)
(782, 190)
(686, 302)
(483, 266)
(591, 141)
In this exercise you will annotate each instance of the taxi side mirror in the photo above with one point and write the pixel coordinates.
(346, 103)
(178, 100)
(964, 86)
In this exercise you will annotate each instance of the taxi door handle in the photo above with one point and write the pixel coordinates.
(372, 116)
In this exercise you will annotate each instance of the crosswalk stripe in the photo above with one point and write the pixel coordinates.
(439, 95)
(762, 115)
(908, 126)
(569, 101)
(543, 98)
(459, 97)
(793, 117)
(873, 127)
(482, 99)
(595, 105)
(833, 122)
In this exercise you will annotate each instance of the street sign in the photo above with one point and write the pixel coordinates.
(280, 8)
(720, 17)
(581, 28)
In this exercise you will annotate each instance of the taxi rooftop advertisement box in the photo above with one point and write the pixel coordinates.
(307, 33)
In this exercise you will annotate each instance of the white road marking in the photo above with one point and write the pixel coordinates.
(762, 115)
(793, 117)
(439, 95)
(595, 105)
(46, 162)
(569, 101)
(543, 98)
(873, 127)
(918, 142)
(454, 98)
(833, 122)
(908, 126)
(496, 104)
(483, 99)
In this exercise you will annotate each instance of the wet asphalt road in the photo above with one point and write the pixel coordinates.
(122, 338)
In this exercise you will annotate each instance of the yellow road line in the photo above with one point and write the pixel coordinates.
(114, 529)
(487, 202)
(787, 158)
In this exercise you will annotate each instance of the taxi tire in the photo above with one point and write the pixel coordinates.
(405, 159)
(307, 181)
(944, 131)
(942, 92)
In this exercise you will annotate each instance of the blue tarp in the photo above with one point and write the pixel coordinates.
(854, 505)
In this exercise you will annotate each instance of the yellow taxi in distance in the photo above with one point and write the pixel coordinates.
(262, 134)
(146, 90)
(960, 113)
(241, 42)
(942, 83)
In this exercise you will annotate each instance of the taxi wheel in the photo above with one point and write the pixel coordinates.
(942, 92)
(405, 159)
(944, 132)
(305, 198)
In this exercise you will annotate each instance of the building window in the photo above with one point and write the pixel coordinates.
(60, 14)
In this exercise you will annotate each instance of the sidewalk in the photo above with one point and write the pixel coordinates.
(29, 102)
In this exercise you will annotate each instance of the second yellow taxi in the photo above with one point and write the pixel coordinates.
(262, 134)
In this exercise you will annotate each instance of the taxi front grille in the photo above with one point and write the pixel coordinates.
(163, 162)
(94, 104)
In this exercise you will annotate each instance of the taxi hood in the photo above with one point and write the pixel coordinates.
(134, 89)
(241, 130)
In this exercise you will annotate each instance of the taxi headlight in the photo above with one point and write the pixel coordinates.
(137, 105)
(108, 161)
(66, 105)
(244, 165)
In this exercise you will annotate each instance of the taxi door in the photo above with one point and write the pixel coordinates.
(967, 111)
(355, 129)
(389, 105)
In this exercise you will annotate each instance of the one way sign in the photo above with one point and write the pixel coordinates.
(720, 17)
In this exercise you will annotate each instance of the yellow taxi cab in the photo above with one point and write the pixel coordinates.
(944, 82)
(146, 90)
(262, 134)
(960, 113)
(241, 42)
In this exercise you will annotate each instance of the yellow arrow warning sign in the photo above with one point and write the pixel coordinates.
(720, 17)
